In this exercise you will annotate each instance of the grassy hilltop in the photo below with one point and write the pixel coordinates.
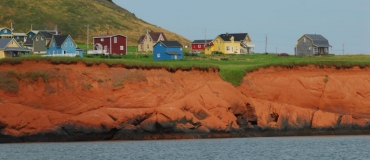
(72, 16)
(232, 68)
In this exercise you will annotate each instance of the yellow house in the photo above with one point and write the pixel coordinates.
(9, 47)
(235, 43)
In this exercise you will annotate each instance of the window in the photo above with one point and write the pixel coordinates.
(42, 38)
(309, 48)
(37, 38)
(101, 39)
(199, 46)
(53, 52)
(304, 39)
(216, 41)
(65, 44)
(236, 48)
(218, 48)
(57, 51)
(5, 31)
(121, 48)
(17, 37)
(71, 44)
(227, 48)
(158, 55)
(30, 36)
(115, 39)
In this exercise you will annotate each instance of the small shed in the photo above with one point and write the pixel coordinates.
(167, 50)
(312, 44)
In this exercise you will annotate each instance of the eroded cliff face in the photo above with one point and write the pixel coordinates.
(40, 101)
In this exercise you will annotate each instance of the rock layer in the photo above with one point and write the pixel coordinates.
(40, 101)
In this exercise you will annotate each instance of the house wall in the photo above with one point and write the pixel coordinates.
(304, 48)
(112, 48)
(30, 35)
(2, 55)
(197, 46)
(67, 46)
(54, 49)
(146, 44)
(116, 47)
(209, 49)
(219, 45)
(234, 47)
(159, 53)
(6, 31)
(39, 45)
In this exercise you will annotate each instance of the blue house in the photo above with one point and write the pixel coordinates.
(6, 33)
(62, 45)
(167, 50)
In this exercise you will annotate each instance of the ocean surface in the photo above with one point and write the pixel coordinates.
(314, 147)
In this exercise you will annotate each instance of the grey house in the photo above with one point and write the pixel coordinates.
(312, 44)
(40, 40)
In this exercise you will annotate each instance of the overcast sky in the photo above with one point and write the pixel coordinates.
(283, 21)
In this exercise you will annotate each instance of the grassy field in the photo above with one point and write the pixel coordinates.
(130, 49)
(232, 68)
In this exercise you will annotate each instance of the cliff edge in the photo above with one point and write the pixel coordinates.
(40, 101)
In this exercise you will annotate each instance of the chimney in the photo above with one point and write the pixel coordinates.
(227, 34)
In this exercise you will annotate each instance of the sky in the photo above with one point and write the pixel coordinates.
(343, 22)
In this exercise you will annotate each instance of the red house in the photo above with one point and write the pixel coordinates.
(111, 44)
(199, 44)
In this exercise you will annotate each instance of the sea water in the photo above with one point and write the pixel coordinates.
(313, 147)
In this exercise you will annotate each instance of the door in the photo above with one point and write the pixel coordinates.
(175, 57)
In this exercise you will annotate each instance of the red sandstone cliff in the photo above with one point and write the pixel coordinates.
(101, 102)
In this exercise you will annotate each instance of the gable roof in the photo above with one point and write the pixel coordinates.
(237, 36)
(170, 43)
(141, 39)
(202, 41)
(318, 40)
(29, 42)
(111, 35)
(47, 35)
(19, 34)
(4, 42)
(59, 40)
(5, 28)
(155, 36)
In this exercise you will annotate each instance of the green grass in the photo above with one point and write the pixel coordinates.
(231, 70)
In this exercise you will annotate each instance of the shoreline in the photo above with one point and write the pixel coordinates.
(54, 137)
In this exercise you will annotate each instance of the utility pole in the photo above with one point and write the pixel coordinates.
(205, 38)
(87, 37)
(147, 40)
(343, 47)
(266, 45)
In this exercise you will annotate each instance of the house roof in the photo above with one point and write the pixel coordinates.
(16, 49)
(173, 53)
(141, 39)
(237, 36)
(47, 35)
(19, 34)
(29, 42)
(111, 35)
(4, 42)
(318, 40)
(202, 41)
(155, 35)
(60, 39)
(171, 43)
(5, 28)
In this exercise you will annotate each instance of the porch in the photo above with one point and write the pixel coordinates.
(15, 52)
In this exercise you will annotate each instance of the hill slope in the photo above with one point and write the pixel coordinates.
(72, 16)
